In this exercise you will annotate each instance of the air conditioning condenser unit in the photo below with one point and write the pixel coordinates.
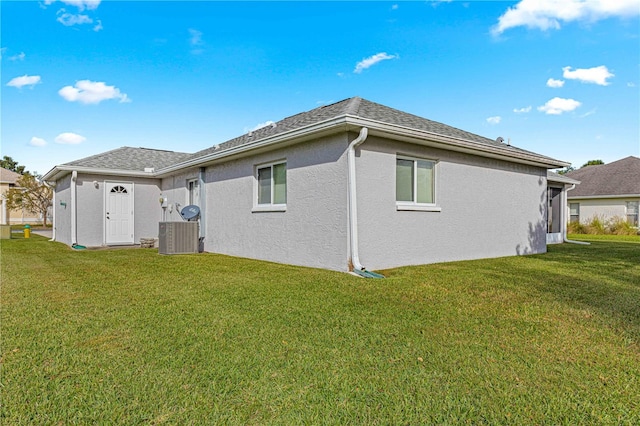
(178, 237)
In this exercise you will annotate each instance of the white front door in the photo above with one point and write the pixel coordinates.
(118, 213)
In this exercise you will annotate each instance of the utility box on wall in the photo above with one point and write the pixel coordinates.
(178, 237)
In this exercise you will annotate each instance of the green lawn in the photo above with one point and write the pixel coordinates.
(132, 337)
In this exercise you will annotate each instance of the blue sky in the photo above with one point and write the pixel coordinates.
(561, 78)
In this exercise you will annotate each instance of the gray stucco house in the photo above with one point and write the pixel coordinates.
(345, 186)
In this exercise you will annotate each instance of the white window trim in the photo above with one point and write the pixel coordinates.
(405, 206)
(258, 208)
(576, 215)
(195, 184)
(637, 213)
(412, 205)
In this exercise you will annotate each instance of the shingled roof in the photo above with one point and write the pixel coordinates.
(133, 159)
(619, 178)
(359, 108)
(8, 176)
(353, 110)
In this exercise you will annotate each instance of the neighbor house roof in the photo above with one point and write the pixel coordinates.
(620, 178)
(347, 115)
(8, 176)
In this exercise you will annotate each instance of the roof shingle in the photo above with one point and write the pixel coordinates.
(137, 159)
(362, 108)
(128, 158)
(8, 176)
(621, 177)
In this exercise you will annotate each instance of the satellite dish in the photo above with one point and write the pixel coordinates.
(190, 212)
(500, 139)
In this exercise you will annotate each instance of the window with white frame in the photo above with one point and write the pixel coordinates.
(271, 182)
(632, 212)
(193, 191)
(574, 212)
(415, 182)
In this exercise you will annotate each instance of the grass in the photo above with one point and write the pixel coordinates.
(606, 237)
(131, 337)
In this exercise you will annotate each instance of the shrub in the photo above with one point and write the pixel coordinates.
(619, 226)
(576, 228)
(597, 225)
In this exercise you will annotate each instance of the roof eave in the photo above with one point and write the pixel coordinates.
(562, 179)
(450, 143)
(291, 137)
(62, 170)
(350, 122)
(600, 197)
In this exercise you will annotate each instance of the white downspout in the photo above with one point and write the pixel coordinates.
(565, 207)
(202, 204)
(351, 194)
(74, 236)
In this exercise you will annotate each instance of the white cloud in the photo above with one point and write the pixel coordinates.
(80, 4)
(372, 60)
(92, 92)
(548, 14)
(19, 57)
(436, 3)
(196, 37)
(69, 19)
(522, 110)
(596, 75)
(631, 84)
(588, 113)
(69, 138)
(35, 141)
(394, 7)
(555, 83)
(557, 106)
(196, 41)
(259, 126)
(98, 26)
(25, 80)
(494, 120)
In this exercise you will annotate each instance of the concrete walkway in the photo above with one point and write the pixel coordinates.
(44, 232)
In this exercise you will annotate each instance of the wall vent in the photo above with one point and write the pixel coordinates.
(178, 237)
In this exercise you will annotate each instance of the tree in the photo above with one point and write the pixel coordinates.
(30, 194)
(566, 170)
(592, 163)
(10, 164)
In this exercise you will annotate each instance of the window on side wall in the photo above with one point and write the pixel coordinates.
(193, 191)
(632, 212)
(271, 187)
(574, 212)
(415, 184)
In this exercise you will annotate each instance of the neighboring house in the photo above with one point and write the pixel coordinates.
(341, 187)
(8, 180)
(606, 191)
